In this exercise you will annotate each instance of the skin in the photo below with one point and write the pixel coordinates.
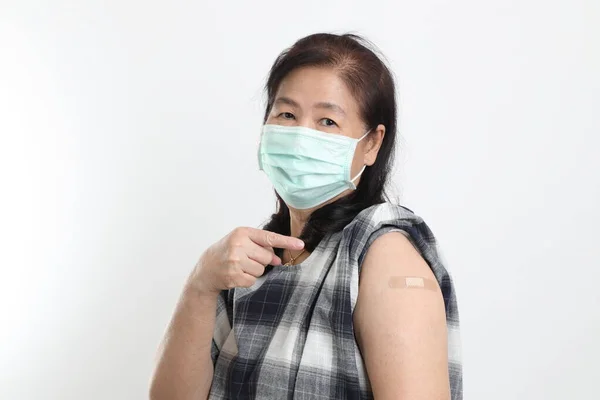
(401, 332)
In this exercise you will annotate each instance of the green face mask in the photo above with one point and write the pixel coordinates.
(307, 167)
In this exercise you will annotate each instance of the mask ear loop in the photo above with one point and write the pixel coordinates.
(364, 136)
(364, 166)
(359, 174)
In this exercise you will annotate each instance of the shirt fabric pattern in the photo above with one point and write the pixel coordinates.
(291, 335)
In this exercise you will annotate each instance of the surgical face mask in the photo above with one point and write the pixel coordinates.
(307, 167)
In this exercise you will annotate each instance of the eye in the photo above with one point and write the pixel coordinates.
(328, 122)
(287, 115)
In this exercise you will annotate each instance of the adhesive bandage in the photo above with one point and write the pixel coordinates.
(412, 282)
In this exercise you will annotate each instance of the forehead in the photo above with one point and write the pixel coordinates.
(310, 85)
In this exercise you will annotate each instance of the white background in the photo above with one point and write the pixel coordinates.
(128, 145)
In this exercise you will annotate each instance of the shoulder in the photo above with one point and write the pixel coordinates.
(382, 216)
(390, 242)
(392, 253)
(377, 220)
(389, 260)
(412, 245)
(380, 213)
(394, 241)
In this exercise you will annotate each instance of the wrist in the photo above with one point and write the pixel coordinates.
(194, 304)
(194, 290)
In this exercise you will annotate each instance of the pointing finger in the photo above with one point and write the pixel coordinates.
(271, 239)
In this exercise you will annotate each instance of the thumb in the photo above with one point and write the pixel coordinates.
(276, 260)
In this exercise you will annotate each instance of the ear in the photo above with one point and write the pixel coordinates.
(374, 141)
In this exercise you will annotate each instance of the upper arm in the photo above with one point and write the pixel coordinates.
(401, 333)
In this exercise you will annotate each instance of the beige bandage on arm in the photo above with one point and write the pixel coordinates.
(412, 282)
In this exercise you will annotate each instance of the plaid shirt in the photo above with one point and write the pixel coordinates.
(290, 335)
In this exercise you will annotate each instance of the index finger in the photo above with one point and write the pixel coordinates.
(271, 239)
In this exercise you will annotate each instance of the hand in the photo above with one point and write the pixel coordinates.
(238, 259)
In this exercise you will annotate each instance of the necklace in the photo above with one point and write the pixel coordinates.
(292, 259)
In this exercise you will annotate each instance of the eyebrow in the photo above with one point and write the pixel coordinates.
(331, 106)
(323, 104)
(288, 101)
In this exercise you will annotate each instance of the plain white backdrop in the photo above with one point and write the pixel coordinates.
(129, 132)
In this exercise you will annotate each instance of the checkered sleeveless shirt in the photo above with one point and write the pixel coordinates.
(290, 335)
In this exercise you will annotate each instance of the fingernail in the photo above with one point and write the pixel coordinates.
(299, 243)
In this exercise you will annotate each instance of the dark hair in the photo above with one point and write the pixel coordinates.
(372, 84)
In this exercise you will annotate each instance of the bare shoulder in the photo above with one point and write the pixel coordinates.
(392, 254)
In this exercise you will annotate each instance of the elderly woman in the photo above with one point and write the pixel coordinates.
(342, 294)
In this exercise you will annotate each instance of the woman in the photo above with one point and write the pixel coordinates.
(279, 312)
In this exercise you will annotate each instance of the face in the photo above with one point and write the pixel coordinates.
(317, 98)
